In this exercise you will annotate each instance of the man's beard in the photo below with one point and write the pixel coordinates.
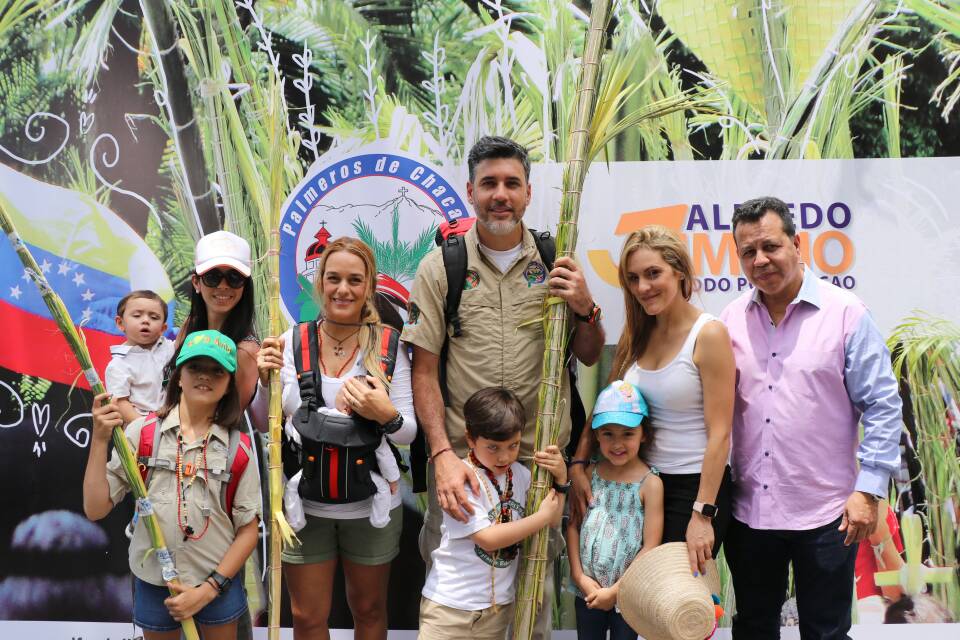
(500, 227)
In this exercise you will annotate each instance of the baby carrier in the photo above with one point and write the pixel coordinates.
(336, 453)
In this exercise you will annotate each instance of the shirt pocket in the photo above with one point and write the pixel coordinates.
(479, 317)
(527, 312)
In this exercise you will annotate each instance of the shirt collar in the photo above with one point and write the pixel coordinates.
(173, 420)
(123, 348)
(809, 290)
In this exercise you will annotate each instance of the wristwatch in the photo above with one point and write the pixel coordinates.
(592, 316)
(222, 581)
(562, 489)
(706, 510)
(393, 424)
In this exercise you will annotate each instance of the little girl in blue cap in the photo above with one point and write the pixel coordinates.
(625, 518)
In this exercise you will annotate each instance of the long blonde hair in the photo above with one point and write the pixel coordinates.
(637, 323)
(371, 328)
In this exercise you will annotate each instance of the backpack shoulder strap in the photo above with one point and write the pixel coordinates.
(389, 344)
(305, 355)
(546, 247)
(149, 443)
(238, 456)
(454, 251)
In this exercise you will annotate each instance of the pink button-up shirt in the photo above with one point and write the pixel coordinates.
(802, 387)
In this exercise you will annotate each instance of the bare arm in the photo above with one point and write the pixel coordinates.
(96, 491)
(585, 583)
(652, 495)
(581, 494)
(126, 409)
(713, 356)
(247, 371)
(498, 536)
(449, 471)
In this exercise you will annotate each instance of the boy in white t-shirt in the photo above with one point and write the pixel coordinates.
(470, 588)
(134, 376)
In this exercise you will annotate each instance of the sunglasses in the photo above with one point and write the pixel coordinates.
(214, 277)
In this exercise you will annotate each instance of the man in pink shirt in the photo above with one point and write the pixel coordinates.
(811, 366)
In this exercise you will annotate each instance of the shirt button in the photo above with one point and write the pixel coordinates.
(766, 453)
(770, 387)
(768, 420)
(764, 486)
(774, 354)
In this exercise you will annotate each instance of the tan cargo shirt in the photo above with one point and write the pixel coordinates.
(194, 559)
(494, 349)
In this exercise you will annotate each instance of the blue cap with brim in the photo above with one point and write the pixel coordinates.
(620, 403)
(209, 344)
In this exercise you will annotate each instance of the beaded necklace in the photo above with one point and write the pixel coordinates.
(182, 518)
(505, 515)
(349, 361)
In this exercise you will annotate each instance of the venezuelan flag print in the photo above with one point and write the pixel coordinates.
(91, 258)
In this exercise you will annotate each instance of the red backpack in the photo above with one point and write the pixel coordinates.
(238, 455)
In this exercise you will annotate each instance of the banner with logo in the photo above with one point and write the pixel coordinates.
(885, 229)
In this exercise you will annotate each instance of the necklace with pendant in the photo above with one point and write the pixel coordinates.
(338, 349)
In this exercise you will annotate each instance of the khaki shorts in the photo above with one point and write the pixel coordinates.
(355, 540)
(439, 622)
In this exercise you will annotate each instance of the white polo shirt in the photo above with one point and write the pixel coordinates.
(136, 373)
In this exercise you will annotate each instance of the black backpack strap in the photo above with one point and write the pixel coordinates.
(546, 247)
(454, 251)
(306, 353)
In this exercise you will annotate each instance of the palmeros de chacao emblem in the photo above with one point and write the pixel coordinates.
(392, 201)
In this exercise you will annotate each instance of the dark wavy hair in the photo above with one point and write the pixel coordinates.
(237, 326)
(493, 147)
(494, 413)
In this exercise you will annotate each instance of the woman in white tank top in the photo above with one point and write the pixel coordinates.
(682, 361)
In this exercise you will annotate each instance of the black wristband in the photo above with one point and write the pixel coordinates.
(222, 582)
(562, 489)
(392, 425)
(582, 461)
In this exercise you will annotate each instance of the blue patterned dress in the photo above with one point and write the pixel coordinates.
(612, 531)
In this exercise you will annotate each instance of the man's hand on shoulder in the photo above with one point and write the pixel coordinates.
(451, 476)
(568, 282)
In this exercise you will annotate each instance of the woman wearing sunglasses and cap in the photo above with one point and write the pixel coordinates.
(221, 298)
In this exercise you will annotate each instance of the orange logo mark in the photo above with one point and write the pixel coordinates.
(671, 216)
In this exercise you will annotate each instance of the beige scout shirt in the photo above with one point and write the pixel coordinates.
(194, 559)
(494, 349)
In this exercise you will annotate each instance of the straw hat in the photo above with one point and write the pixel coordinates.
(661, 599)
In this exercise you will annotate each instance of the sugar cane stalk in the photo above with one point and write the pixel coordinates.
(534, 563)
(72, 335)
(280, 531)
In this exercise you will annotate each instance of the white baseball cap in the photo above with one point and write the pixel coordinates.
(222, 249)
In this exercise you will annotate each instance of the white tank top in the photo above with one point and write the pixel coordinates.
(674, 395)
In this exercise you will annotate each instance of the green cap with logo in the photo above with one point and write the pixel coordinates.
(209, 344)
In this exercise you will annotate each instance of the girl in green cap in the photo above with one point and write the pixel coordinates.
(210, 538)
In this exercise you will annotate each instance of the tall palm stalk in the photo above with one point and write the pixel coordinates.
(184, 130)
(77, 344)
(279, 529)
(534, 562)
(927, 358)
